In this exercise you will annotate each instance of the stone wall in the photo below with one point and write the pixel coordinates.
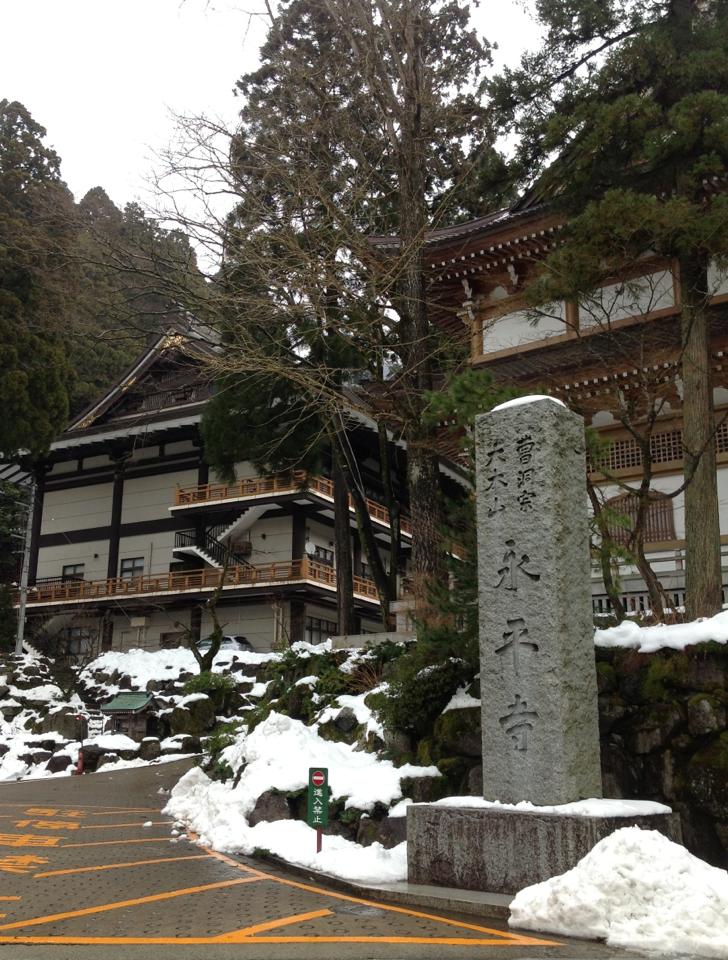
(664, 736)
(663, 721)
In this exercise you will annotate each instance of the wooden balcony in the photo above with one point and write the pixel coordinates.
(248, 488)
(195, 581)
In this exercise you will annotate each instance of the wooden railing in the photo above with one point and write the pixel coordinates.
(278, 483)
(204, 579)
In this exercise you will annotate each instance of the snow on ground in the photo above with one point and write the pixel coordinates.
(675, 636)
(520, 401)
(215, 812)
(637, 890)
(595, 807)
(145, 665)
(272, 749)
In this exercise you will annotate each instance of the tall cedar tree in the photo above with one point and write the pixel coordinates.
(354, 125)
(37, 286)
(631, 99)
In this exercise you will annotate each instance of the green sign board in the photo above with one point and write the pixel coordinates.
(318, 797)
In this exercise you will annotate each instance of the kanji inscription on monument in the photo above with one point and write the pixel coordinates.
(538, 679)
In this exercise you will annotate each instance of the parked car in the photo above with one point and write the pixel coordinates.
(231, 642)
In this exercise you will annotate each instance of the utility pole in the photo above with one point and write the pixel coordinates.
(25, 570)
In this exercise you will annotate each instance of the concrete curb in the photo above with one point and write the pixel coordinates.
(490, 906)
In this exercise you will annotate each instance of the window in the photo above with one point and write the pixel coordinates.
(132, 567)
(322, 555)
(659, 523)
(72, 571)
(318, 630)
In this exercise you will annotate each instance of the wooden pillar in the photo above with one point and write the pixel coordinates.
(298, 620)
(117, 496)
(196, 623)
(40, 472)
(298, 534)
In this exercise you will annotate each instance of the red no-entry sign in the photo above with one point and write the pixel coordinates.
(318, 778)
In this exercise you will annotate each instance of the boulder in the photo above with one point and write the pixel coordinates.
(188, 744)
(706, 714)
(69, 723)
(654, 727)
(706, 778)
(270, 806)
(41, 756)
(4, 748)
(10, 709)
(424, 789)
(389, 831)
(91, 756)
(457, 733)
(149, 749)
(58, 762)
(196, 717)
(107, 758)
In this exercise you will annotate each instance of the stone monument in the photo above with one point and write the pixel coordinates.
(538, 678)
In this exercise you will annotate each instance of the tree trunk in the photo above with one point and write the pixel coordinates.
(392, 505)
(605, 555)
(342, 548)
(703, 577)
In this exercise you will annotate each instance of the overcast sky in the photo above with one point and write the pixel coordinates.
(104, 76)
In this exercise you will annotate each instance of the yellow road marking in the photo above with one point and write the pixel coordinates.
(120, 904)
(238, 936)
(381, 906)
(86, 806)
(111, 826)
(113, 843)
(119, 866)
(4, 899)
(210, 941)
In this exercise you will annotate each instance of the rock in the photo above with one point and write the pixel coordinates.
(196, 717)
(4, 748)
(653, 727)
(4, 691)
(475, 781)
(423, 789)
(58, 762)
(389, 831)
(149, 749)
(107, 758)
(41, 756)
(124, 682)
(10, 710)
(707, 778)
(270, 806)
(153, 685)
(706, 715)
(345, 720)
(457, 733)
(612, 709)
(188, 744)
(66, 721)
(398, 743)
(91, 756)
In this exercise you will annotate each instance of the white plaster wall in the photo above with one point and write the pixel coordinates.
(517, 328)
(62, 466)
(149, 498)
(156, 548)
(254, 621)
(271, 539)
(146, 636)
(78, 508)
(179, 446)
(51, 560)
(91, 463)
(617, 301)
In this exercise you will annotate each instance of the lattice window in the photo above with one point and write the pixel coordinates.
(659, 522)
(665, 447)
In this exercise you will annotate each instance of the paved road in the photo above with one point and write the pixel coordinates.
(79, 871)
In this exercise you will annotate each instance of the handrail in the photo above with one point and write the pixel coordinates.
(277, 483)
(204, 579)
(206, 540)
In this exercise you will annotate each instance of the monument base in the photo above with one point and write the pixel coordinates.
(502, 851)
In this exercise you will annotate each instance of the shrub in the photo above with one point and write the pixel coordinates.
(208, 682)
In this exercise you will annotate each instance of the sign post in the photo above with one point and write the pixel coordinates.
(318, 801)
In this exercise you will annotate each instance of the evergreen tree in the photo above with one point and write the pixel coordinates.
(37, 286)
(355, 124)
(631, 99)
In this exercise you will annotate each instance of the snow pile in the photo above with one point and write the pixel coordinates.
(278, 753)
(674, 636)
(636, 889)
(143, 666)
(356, 703)
(595, 807)
(214, 812)
(520, 401)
